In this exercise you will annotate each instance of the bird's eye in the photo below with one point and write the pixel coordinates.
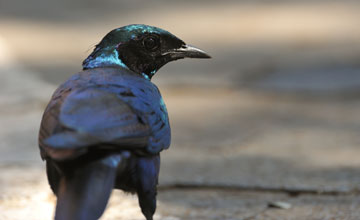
(151, 43)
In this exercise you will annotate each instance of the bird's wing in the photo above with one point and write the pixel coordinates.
(91, 117)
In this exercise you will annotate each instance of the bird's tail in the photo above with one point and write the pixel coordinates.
(84, 194)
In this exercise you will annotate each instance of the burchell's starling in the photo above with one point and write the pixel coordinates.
(105, 126)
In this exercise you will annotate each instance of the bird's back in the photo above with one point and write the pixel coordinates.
(104, 107)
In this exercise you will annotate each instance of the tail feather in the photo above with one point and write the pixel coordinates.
(84, 194)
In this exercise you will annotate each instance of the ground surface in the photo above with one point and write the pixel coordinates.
(274, 116)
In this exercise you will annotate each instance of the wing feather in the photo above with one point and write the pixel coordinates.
(93, 117)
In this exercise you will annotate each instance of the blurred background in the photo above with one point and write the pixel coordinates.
(274, 116)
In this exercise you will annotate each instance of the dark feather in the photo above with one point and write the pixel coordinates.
(83, 193)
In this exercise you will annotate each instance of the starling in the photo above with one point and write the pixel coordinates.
(105, 127)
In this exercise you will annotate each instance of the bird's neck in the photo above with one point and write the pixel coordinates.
(104, 58)
(109, 58)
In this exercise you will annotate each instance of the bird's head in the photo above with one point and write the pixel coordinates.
(140, 48)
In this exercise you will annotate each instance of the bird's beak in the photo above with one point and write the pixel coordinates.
(187, 51)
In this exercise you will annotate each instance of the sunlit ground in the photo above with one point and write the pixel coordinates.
(276, 108)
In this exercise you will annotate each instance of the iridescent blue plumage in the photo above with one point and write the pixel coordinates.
(103, 93)
(110, 58)
(105, 127)
(136, 29)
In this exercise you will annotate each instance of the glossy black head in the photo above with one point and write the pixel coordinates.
(140, 48)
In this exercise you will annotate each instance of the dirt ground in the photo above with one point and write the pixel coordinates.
(273, 117)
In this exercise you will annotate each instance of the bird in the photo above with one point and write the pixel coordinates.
(104, 127)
